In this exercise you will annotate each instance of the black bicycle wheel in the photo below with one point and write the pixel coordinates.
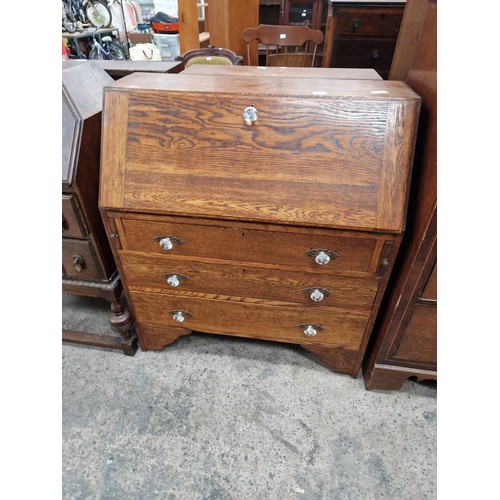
(98, 14)
(115, 51)
(95, 53)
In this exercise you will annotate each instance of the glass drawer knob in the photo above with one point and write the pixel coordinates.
(310, 331)
(317, 295)
(166, 243)
(173, 280)
(249, 115)
(322, 258)
(178, 316)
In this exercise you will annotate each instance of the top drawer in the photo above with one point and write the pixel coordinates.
(382, 21)
(357, 253)
(73, 225)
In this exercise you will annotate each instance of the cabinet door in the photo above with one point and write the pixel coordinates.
(303, 13)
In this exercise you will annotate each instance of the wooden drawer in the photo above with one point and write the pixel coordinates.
(257, 283)
(356, 253)
(372, 22)
(73, 225)
(80, 252)
(340, 328)
(376, 53)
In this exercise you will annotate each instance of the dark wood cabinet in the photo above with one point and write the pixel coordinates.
(405, 335)
(232, 211)
(88, 266)
(364, 35)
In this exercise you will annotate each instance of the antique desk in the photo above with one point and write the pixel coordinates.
(88, 267)
(261, 207)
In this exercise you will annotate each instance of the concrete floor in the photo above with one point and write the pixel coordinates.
(213, 417)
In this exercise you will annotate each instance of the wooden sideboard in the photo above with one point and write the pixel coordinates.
(405, 336)
(256, 207)
(88, 267)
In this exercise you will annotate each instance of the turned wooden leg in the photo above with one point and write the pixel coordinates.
(335, 358)
(122, 323)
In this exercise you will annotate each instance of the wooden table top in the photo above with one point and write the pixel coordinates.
(337, 73)
(123, 68)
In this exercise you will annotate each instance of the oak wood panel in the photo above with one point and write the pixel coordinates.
(250, 283)
(250, 245)
(279, 323)
(275, 71)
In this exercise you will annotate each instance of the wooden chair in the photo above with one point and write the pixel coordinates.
(285, 45)
(210, 55)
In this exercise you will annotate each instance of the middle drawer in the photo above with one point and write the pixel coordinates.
(203, 277)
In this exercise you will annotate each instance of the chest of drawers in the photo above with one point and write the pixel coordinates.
(257, 207)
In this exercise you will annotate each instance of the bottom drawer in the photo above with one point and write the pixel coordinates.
(80, 261)
(245, 319)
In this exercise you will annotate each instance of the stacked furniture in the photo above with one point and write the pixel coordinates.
(257, 207)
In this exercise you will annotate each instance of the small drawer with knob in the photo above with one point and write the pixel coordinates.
(325, 250)
(382, 21)
(247, 319)
(79, 260)
(262, 283)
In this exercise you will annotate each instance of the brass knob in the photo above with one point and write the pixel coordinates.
(78, 263)
(250, 115)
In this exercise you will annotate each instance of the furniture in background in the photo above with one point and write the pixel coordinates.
(211, 56)
(361, 34)
(228, 19)
(88, 267)
(240, 207)
(405, 336)
(284, 45)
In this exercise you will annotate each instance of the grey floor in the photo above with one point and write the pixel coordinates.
(213, 417)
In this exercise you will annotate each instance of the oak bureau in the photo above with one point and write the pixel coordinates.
(267, 208)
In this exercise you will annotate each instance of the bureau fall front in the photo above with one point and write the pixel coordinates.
(259, 207)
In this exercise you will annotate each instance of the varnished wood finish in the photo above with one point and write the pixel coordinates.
(405, 336)
(265, 71)
(341, 165)
(189, 35)
(88, 266)
(249, 207)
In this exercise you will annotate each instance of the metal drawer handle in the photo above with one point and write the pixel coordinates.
(168, 242)
(250, 115)
(322, 256)
(174, 280)
(180, 316)
(375, 54)
(310, 329)
(78, 263)
(316, 294)
(356, 23)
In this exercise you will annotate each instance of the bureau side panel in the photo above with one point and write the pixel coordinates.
(113, 148)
